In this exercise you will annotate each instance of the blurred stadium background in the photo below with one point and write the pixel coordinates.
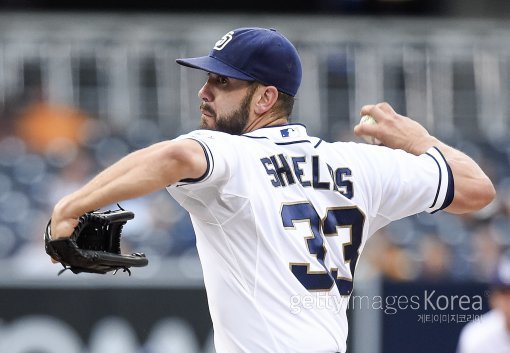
(82, 86)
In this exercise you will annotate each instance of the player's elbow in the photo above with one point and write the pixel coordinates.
(483, 194)
(487, 194)
(474, 197)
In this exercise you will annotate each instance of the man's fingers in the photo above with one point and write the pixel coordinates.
(63, 228)
(365, 129)
(365, 110)
(374, 111)
(379, 111)
(385, 107)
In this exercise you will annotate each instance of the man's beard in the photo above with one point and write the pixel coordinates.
(233, 123)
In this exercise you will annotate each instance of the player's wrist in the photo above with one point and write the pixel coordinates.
(61, 210)
(422, 145)
(68, 207)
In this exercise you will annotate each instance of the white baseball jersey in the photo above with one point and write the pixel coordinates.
(280, 220)
(487, 334)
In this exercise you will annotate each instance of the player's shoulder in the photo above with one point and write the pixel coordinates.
(353, 150)
(208, 134)
(346, 145)
(219, 145)
(211, 138)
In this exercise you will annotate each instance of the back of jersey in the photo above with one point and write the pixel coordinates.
(280, 219)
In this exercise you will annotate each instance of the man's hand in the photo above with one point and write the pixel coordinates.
(394, 130)
(473, 189)
(63, 228)
(94, 245)
(60, 226)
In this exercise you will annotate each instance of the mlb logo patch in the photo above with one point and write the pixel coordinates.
(289, 132)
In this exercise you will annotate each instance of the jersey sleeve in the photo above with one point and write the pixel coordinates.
(445, 183)
(220, 156)
(397, 184)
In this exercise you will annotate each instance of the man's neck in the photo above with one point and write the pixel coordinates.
(263, 121)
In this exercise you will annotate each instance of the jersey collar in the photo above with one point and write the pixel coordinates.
(281, 133)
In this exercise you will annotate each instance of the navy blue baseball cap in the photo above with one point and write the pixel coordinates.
(253, 54)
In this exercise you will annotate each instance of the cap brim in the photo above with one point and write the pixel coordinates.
(215, 66)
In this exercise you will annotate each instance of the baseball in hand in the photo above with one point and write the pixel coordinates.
(367, 119)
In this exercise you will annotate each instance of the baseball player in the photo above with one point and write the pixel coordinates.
(491, 332)
(281, 217)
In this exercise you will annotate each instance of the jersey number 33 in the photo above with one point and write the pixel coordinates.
(344, 217)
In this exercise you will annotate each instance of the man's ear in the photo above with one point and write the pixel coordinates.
(267, 98)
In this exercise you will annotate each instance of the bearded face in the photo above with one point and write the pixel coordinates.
(232, 123)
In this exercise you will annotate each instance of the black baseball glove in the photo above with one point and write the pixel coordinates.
(94, 246)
